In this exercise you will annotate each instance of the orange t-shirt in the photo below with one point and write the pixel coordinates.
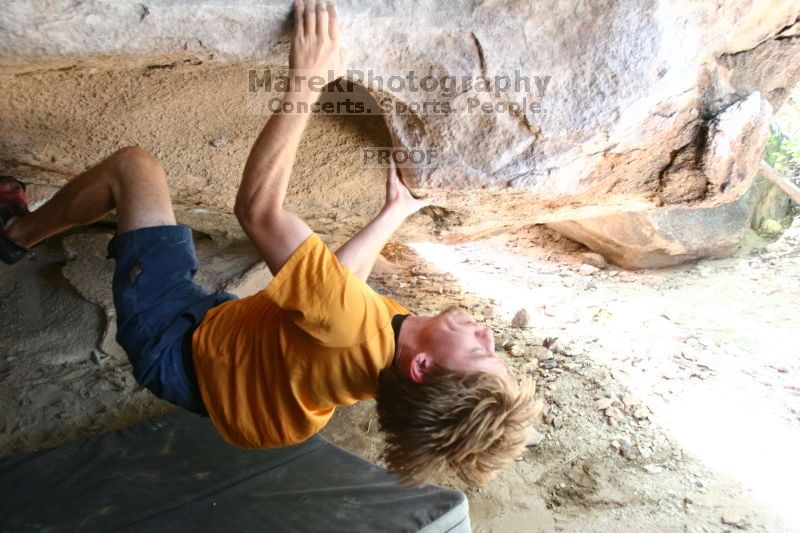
(271, 367)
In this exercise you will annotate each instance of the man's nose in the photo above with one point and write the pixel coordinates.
(484, 334)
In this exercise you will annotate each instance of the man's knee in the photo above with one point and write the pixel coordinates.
(140, 190)
(134, 161)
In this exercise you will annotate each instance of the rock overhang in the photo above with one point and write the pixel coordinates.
(632, 95)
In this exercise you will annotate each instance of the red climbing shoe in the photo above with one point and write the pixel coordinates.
(13, 203)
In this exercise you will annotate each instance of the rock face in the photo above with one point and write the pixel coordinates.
(534, 109)
(655, 238)
(658, 237)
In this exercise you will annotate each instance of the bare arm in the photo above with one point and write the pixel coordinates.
(275, 232)
(360, 252)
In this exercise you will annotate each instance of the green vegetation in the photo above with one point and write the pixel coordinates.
(783, 146)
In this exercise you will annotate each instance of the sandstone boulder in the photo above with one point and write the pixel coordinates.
(661, 237)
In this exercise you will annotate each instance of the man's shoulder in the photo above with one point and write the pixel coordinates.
(392, 305)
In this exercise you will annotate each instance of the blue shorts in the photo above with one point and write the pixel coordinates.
(158, 307)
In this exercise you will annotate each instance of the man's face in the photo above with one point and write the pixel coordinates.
(454, 341)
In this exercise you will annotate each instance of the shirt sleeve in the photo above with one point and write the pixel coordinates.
(394, 307)
(326, 300)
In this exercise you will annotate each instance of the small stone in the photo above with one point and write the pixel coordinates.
(603, 403)
(704, 271)
(735, 519)
(593, 259)
(541, 353)
(770, 226)
(535, 439)
(777, 247)
(628, 451)
(653, 469)
(551, 343)
(520, 319)
(614, 413)
(556, 422)
(622, 439)
(517, 350)
(641, 413)
(219, 142)
(587, 270)
(630, 401)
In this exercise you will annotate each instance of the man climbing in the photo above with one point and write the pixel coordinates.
(270, 369)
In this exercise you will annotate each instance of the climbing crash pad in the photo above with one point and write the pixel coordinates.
(174, 473)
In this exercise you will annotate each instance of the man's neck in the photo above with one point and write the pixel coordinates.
(408, 342)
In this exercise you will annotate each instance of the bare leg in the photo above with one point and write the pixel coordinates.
(130, 180)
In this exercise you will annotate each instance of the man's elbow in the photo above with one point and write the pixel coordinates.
(243, 213)
(247, 210)
(261, 216)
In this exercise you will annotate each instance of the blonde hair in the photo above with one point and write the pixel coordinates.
(469, 422)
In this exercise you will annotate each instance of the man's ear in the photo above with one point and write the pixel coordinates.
(420, 364)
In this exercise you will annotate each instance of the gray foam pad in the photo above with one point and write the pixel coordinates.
(174, 473)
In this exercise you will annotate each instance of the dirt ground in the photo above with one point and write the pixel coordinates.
(673, 398)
